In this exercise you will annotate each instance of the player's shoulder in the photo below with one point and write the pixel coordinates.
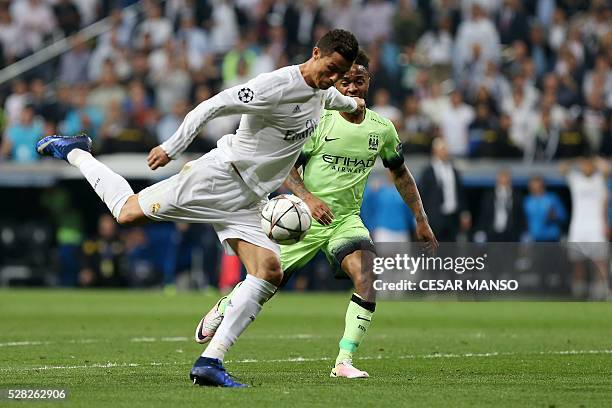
(272, 82)
(376, 120)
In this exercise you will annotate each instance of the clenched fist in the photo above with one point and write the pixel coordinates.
(157, 158)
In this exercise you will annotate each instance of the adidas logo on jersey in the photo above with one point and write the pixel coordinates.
(297, 109)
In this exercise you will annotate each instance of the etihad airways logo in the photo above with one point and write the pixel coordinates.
(311, 125)
(344, 164)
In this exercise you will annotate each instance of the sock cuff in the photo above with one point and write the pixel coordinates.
(348, 345)
(261, 284)
(370, 306)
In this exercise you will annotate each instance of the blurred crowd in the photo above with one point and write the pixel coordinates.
(526, 80)
(530, 80)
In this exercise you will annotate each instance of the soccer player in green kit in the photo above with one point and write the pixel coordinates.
(337, 161)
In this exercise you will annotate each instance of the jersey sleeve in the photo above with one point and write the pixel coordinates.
(391, 151)
(258, 96)
(336, 101)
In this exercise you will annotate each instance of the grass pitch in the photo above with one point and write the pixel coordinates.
(132, 349)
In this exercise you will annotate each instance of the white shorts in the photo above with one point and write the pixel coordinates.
(209, 190)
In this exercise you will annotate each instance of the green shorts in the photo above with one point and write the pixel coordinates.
(343, 237)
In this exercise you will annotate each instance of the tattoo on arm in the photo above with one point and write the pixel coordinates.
(295, 183)
(406, 186)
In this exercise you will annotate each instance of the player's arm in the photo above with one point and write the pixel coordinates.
(294, 182)
(255, 97)
(334, 100)
(393, 159)
(407, 187)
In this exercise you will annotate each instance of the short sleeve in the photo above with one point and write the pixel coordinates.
(391, 151)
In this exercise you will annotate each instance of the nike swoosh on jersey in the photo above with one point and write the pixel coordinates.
(327, 139)
(363, 318)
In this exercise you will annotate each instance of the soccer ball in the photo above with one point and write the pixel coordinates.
(286, 219)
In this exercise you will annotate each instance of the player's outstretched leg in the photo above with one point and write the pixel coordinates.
(358, 314)
(113, 189)
(265, 274)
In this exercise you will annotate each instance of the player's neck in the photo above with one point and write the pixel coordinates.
(305, 70)
(356, 118)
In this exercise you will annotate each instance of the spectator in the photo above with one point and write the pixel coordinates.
(109, 50)
(544, 212)
(417, 132)
(11, 40)
(83, 117)
(512, 22)
(155, 25)
(383, 106)
(479, 31)
(103, 257)
(21, 137)
(195, 40)
(35, 20)
(443, 195)
(16, 101)
(540, 52)
(74, 64)
(543, 147)
(407, 23)
(374, 21)
(572, 140)
(455, 122)
(435, 47)
(171, 121)
(588, 231)
(501, 212)
(68, 16)
(240, 54)
(108, 89)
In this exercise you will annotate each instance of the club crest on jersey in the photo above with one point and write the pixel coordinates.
(373, 141)
(246, 95)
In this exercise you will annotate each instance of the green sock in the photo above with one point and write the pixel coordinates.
(225, 300)
(358, 318)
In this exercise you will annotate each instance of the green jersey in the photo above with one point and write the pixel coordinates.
(341, 155)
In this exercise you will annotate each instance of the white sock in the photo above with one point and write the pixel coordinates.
(113, 189)
(242, 309)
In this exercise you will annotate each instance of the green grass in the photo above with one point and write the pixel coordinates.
(417, 353)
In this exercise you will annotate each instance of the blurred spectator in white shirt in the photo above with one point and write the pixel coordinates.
(435, 47)
(382, 106)
(435, 103)
(455, 122)
(11, 40)
(481, 31)
(158, 27)
(35, 20)
(112, 50)
(374, 21)
(16, 101)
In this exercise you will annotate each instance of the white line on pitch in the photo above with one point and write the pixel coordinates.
(307, 359)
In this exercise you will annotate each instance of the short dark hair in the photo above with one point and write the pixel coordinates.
(340, 41)
(362, 59)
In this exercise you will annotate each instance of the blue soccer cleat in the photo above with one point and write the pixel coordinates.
(210, 371)
(60, 146)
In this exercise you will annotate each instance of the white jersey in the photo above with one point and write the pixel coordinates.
(280, 112)
(588, 200)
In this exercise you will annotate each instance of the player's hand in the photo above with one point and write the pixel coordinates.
(320, 211)
(426, 235)
(360, 104)
(157, 158)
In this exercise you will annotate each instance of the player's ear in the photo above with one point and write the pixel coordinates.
(316, 53)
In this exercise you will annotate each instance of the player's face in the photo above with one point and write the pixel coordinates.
(329, 68)
(355, 82)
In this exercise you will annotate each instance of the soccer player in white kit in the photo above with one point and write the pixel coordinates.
(227, 186)
(588, 230)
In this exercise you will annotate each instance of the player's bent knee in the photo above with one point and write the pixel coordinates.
(270, 270)
(131, 213)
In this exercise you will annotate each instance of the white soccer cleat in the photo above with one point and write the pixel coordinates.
(209, 324)
(346, 369)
